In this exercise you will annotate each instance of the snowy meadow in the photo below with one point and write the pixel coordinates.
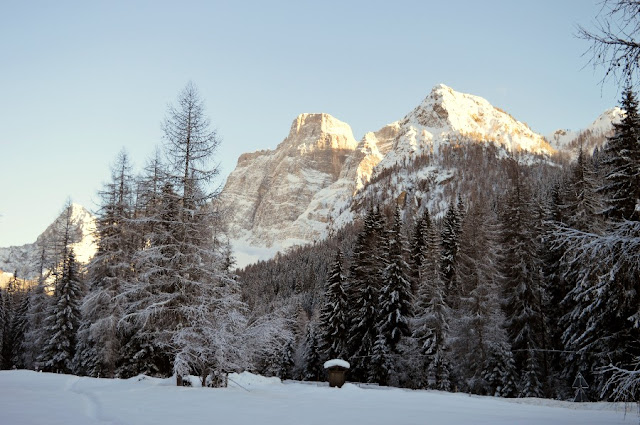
(28, 397)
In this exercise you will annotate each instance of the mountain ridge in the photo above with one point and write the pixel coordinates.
(311, 184)
(23, 258)
(443, 119)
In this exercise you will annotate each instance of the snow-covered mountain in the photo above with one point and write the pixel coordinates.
(318, 178)
(590, 137)
(23, 259)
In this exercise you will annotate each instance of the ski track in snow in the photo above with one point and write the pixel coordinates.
(93, 406)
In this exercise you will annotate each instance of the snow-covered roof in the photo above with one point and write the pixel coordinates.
(336, 362)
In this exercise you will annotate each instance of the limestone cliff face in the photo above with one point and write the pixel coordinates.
(269, 192)
(318, 178)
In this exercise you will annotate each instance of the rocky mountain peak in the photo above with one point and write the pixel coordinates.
(310, 132)
(83, 234)
(588, 138)
(446, 112)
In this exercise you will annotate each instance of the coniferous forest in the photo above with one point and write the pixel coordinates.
(508, 292)
(522, 284)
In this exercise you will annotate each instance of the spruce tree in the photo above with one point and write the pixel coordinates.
(522, 270)
(621, 189)
(63, 320)
(480, 342)
(432, 314)
(448, 260)
(602, 327)
(313, 364)
(365, 282)
(381, 364)
(334, 316)
(395, 296)
(8, 299)
(418, 244)
(19, 328)
(582, 206)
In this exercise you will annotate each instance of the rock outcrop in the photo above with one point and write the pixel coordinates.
(270, 193)
(311, 183)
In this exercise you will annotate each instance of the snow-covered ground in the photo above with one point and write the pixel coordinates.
(28, 397)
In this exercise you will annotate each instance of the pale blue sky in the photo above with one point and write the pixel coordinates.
(80, 80)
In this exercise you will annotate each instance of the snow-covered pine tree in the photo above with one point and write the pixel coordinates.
(479, 341)
(19, 328)
(313, 359)
(365, 282)
(211, 341)
(431, 313)
(621, 161)
(502, 377)
(522, 271)
(450, 240)
(3, 315)
(7, 311)
(582, 205)
(418, 244)
(63, 319)
(334, 316)
(140, 351)
(381, 363)
(12, 299)
(53, 254)
(603, 325)
(109, 272)
(555, 287)
(184, 293)
(139, 354)
(283, 362)
(395, 298)
(531, 385)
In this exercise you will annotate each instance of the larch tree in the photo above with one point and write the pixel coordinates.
(110, 270)
(614, 42)
(185, 293)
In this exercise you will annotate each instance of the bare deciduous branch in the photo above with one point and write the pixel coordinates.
(614, 43)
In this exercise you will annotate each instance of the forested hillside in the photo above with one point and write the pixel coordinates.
(528, 278)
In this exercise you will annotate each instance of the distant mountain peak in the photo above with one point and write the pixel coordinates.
(24, 258)
(319, 177)
(602, 127)
(319, 131)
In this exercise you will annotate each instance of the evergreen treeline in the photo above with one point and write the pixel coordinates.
(158, 298)
(511, 290)
(508, 293)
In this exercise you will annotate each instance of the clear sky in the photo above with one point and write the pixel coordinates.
(81, 80)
